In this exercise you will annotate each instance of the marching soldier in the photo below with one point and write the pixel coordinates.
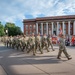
(19, 42)
(38, 43)
(24, 42)
(49, 40)
(32, 44)
(44, 42)
(62, 47)
(14, 42)
(10, 41)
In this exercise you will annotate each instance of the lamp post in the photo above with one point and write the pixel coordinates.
(6, 31)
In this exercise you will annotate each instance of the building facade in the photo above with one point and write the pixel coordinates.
(50, 25)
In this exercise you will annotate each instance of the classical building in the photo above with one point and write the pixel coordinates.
(50, 25)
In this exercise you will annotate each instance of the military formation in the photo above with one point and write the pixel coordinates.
(29, 43)
(32, 43)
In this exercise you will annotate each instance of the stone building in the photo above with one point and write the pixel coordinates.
(50, 25)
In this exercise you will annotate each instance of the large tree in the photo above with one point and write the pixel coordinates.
(13, 29)
(1, 29)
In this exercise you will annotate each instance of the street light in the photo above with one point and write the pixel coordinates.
(6, 31)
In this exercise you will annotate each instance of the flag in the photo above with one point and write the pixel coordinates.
(60, 31)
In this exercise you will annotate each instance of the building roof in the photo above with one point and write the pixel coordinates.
(50, 18)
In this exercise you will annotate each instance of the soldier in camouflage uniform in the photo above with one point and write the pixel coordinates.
(5, 40)
(44, 42)
(10, 41)
(14, 42)
(38, 43)
(49, 40)
(32, 44)
(19, 42)
(24, 43)
(62, 47)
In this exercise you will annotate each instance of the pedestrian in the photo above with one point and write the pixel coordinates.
(62, 47)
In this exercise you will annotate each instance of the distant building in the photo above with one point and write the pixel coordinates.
(50, 25)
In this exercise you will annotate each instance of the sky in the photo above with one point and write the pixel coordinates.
(15, 11)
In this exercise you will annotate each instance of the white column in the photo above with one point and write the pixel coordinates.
(52, 27)
(41, 28)
(74, 28)
(68, 27)
(57, 28)
(63, 27)
(47, 28)
(36, 28)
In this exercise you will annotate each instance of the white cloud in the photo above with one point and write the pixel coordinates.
(11, 10)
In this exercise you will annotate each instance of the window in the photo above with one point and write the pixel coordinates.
(34, 26)
(26, 32)
(44, 27)
(26, 26)
(30, 26)
(30, 32)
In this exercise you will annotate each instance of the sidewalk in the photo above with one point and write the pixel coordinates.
(13, 62)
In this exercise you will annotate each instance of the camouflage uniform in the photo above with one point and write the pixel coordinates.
(45, 43)
(14, 42)
(62, 48)
(49, 40)
(9, 44)
(19, 42)
(24, 43)
(6, 40)
(38, 43)
(32, 44)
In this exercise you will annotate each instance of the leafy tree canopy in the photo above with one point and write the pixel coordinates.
(1, 29)
(12, 29)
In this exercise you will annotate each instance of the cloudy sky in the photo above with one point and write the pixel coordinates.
(17, 10)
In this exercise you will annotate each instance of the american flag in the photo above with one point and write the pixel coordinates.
(60, 30)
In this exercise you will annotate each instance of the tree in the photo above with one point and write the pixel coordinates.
(13, 29)
(1, 30)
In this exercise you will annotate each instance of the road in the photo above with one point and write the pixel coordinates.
(13, 62)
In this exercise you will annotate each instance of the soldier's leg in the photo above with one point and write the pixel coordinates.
(29, 49)
(40, 49)
(59, 54)
(33, 47)
(46, 45)
(52, 46)
(66, 54)
(7, 44)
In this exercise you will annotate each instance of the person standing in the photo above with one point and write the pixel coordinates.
(62, 47)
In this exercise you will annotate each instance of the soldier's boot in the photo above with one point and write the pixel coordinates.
(34, 51)
(52, 47)
(41, 50)
(17, 47)
(12, 46)
(67, 55)
(22, 50)
(59, 54)
(34, 54)
(29, 50)
(47, 48)
(7, 45)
